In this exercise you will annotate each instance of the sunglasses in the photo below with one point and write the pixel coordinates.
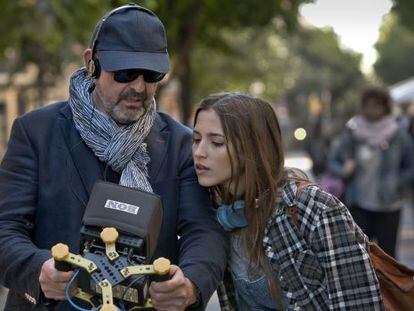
(129, 75)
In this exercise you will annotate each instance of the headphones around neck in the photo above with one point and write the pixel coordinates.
(93, 67)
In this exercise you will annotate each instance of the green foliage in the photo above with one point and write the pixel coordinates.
(209, 16)
(196, 25)
(215, 45)
(282, 67)
(322, 67)
(404, 9)
(253, 57)
(46, 31)
(395, 49)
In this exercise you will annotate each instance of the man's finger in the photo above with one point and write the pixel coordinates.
(171, 304)
(177, 279)
(60, 277)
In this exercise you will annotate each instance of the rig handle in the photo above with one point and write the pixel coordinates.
(59, 252)
(162, 270)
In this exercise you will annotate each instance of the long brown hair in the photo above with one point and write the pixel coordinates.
(250, 125)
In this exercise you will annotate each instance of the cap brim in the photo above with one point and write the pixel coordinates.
(119, 60)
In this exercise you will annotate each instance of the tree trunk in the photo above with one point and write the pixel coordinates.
(185, 90)
(182, 67)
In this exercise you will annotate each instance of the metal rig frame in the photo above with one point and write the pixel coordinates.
(117, 270)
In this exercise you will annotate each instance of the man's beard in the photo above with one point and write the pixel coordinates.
(121, 114)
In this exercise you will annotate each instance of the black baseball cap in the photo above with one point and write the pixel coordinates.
(131, 37)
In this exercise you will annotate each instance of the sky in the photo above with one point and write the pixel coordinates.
(357, 23)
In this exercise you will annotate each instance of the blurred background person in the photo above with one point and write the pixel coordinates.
(374, 155)
(317, 146)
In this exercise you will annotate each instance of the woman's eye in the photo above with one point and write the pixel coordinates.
(218, 144)
(196, 140)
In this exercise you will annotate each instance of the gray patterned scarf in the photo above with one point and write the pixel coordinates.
(121, 147)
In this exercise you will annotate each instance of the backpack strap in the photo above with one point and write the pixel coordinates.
(292, 209)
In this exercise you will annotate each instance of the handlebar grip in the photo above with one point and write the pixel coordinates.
(62, 266)
(59, 252)
(162, 270)
(160, 278)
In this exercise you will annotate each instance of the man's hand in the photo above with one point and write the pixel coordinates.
(53, 282)
(173, 295)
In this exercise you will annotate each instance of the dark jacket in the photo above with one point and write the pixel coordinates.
(45, 180)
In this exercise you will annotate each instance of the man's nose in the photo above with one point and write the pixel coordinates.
(139, 83)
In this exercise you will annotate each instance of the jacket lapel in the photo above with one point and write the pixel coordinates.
(85, 162)
(157, 144)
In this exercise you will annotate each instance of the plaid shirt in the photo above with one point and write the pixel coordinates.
(322, 263)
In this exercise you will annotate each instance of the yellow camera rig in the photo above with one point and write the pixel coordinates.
(109, 274)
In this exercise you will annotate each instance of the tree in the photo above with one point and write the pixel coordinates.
(325, 69)
(280, 67)
(404, 10)
(395, 48)
(45, 32)
(192, 23)
(255, 61)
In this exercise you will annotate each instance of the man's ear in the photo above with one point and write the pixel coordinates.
(92, 66)
(87, 56)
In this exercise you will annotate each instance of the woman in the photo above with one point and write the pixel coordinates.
(375, 157)
(313, 259)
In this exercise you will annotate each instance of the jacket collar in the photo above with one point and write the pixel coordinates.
(289, 193)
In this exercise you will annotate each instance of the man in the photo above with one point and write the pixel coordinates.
(108, 129)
